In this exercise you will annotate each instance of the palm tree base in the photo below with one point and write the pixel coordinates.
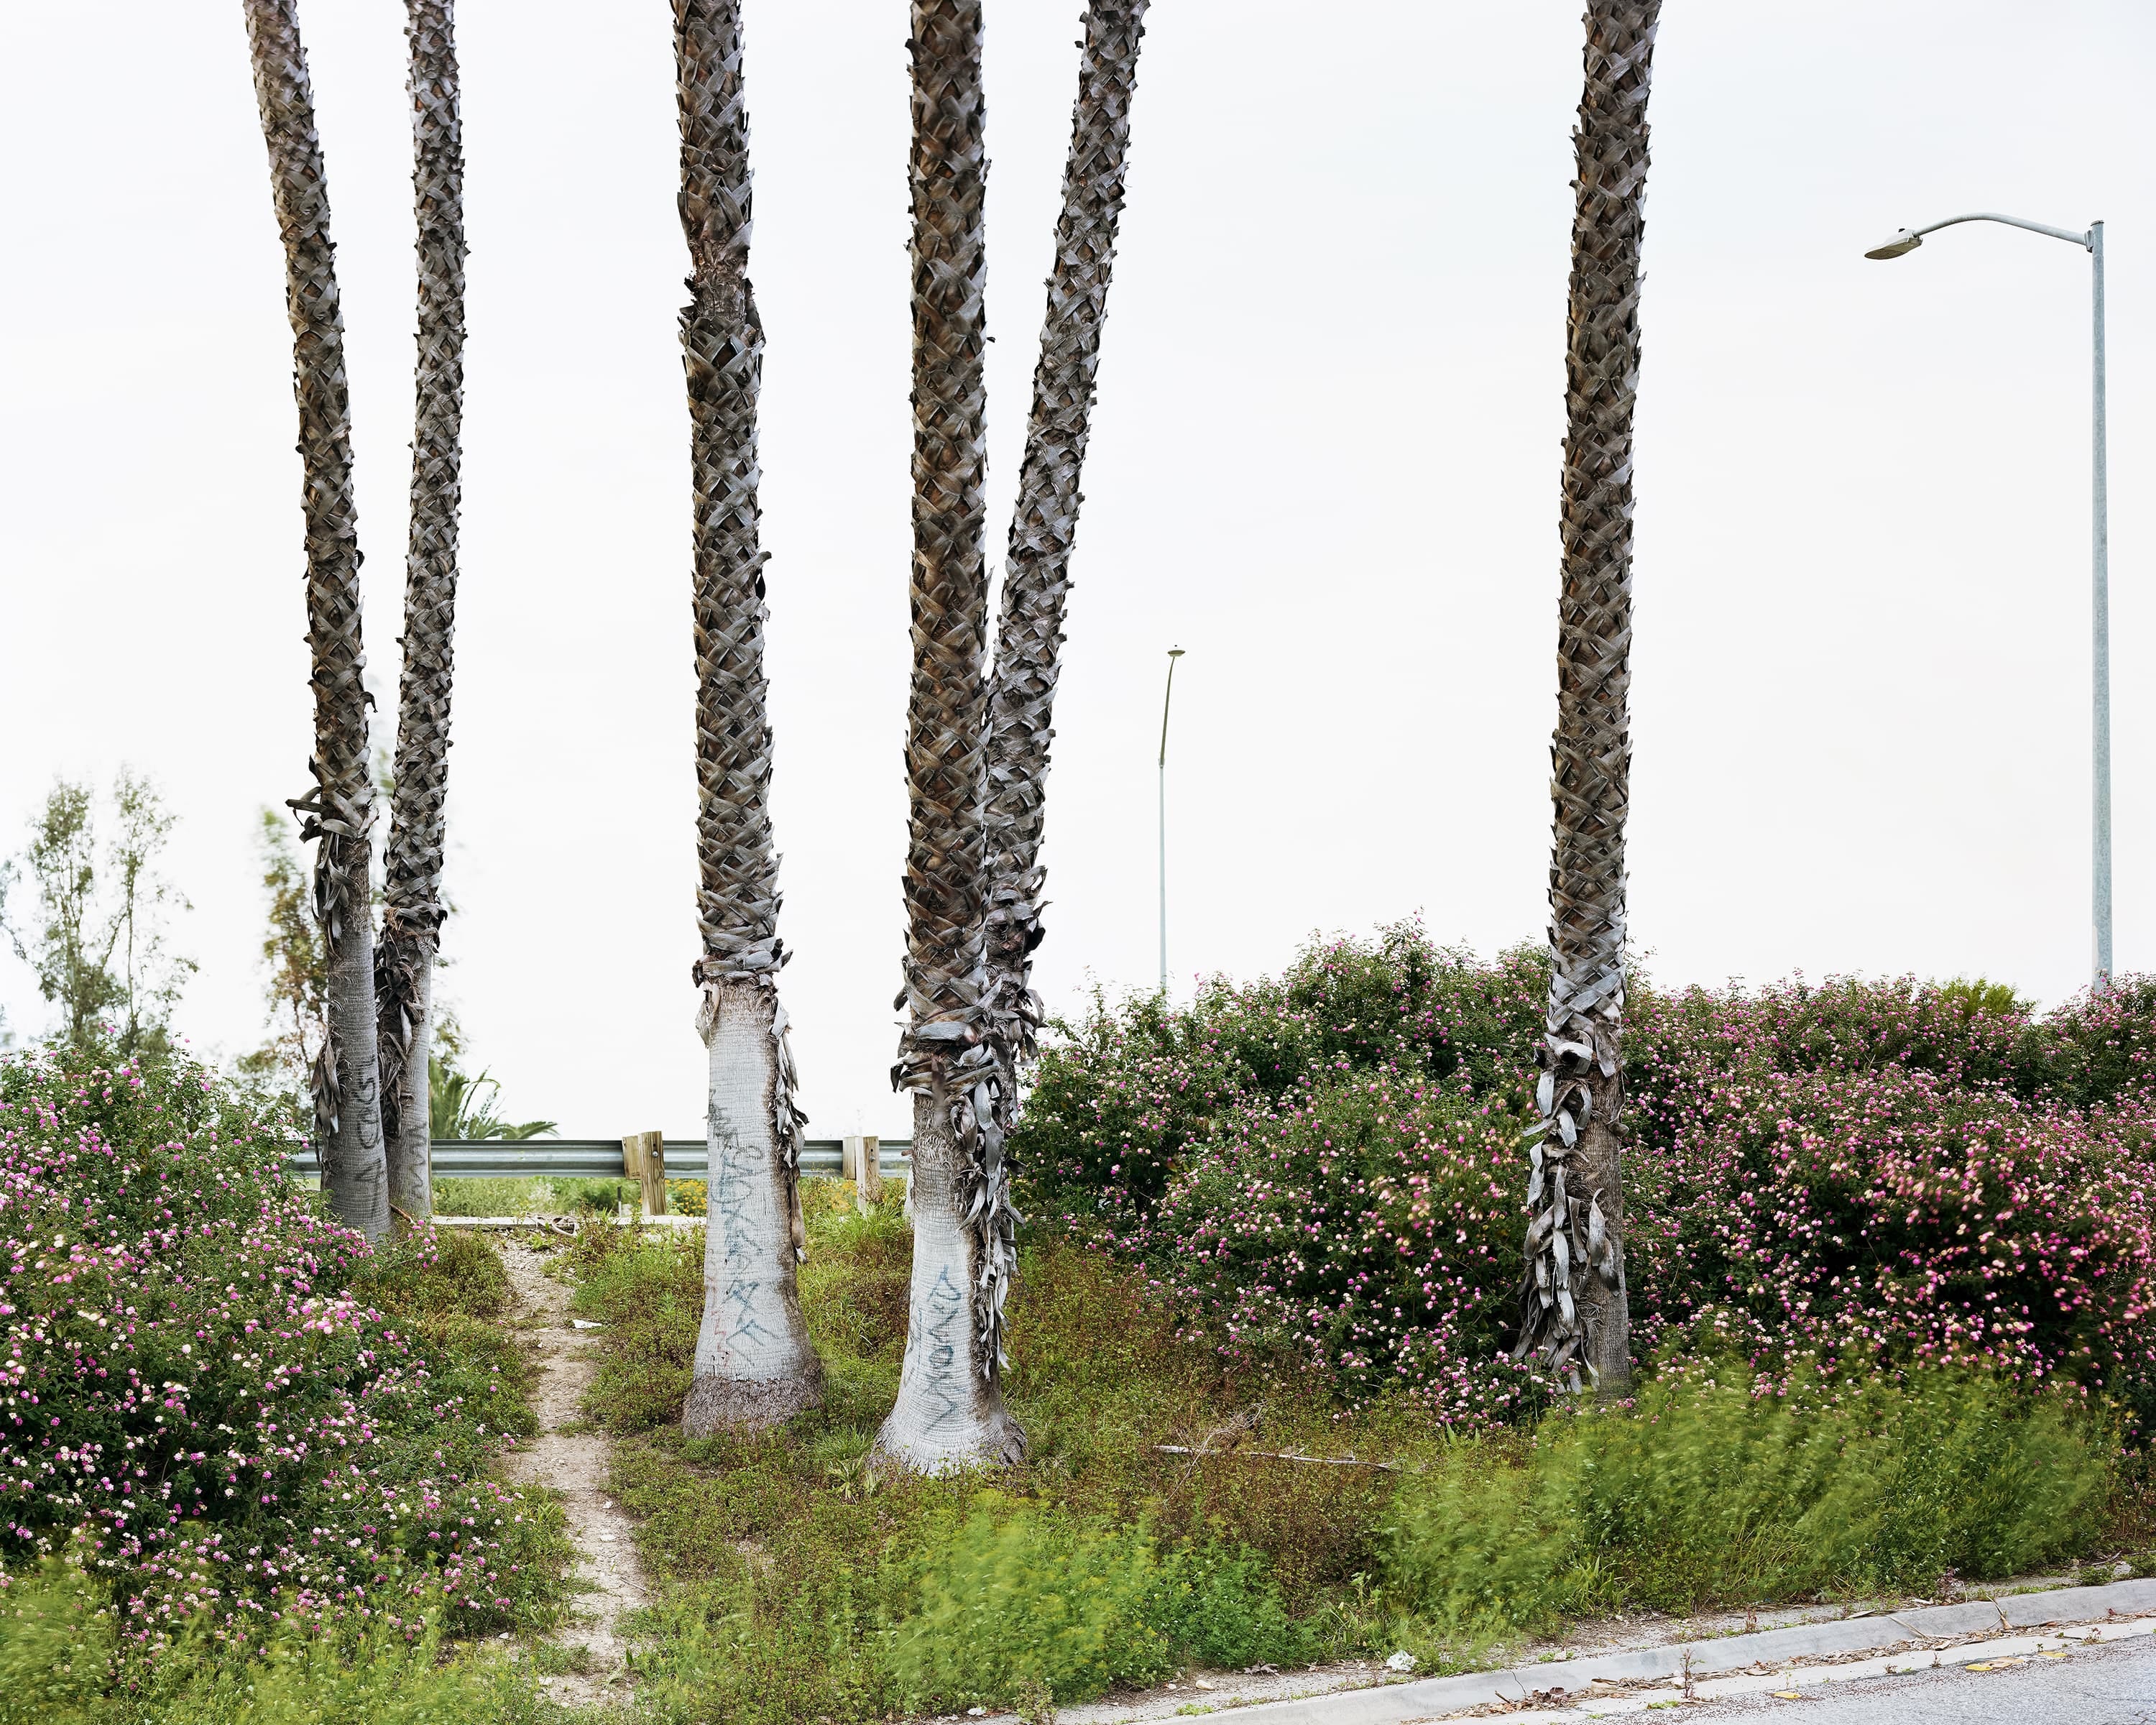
(754, 1362)
(949, 1414)
(718, 1404)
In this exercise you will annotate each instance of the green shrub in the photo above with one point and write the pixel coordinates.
(63, 1661)
(58, 1641)
(1116, 1099)
(1716, 1488)
(1019, 1596)
(1027, 1597)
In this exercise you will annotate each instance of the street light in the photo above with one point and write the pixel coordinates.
(1173, 654)
(1906, 241)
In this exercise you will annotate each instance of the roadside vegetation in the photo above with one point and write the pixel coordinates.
(1889, 1241)
(245, 1458)
(1890, 1245)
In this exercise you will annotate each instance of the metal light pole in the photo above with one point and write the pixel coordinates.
(1907, 240)
(1173, 654)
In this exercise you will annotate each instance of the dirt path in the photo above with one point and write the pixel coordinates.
(575, 1464)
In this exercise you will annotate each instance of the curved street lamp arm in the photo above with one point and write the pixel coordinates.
(2079, 239)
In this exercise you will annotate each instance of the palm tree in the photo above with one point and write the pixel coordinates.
(754, 1364)
(1573, 1313)
(1045, 523)
(411, 915)
(340, 810)
(949, 1410)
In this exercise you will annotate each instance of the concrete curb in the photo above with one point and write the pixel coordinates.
(1396, 1703)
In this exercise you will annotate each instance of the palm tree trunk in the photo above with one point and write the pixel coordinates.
(754, 1364)
(949, 1411)
(1045, 523)
(412, 919)
(340, 810)
(1573, 1309)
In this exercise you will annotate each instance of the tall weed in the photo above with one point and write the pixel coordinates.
(1716, 1487)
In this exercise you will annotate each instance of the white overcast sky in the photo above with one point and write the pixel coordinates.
(1325, 460)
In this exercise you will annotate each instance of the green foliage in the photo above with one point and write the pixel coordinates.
(530, 1195)
(798, 1581)
(97, 937)
(1716, 1488)
(58, 1643)
(317, 1445)
(62, 1663)
(1117, 1099)
(297, 984)
(462, 1105)
(1974, 996)
(648, 1289)
(1018, 1596)
(1026, 1597)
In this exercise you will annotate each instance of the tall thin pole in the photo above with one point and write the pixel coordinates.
(1904, 242)
(1173, 654)
(2100, 680)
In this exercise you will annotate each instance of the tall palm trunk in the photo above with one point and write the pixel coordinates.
(1045, 523)
(412, 919)
(1573, 1313)
(949, 1411)
(340, 810)
(754, 1364)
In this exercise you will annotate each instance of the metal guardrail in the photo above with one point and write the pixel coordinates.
(600, 1158)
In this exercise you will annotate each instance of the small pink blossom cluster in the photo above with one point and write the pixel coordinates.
(190, 1396)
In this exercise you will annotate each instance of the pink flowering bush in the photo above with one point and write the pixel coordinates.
(1897, 1172)
(1327, 1168)
(201, 1392)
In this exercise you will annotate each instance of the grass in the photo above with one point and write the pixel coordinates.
(1717, 1489)
(796, 1583)
(60, 1666)
(532, 1196)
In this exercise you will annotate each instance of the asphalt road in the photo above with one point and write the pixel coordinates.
(2110, 1685)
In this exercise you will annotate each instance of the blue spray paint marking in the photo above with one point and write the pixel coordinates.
(944, 1304)
(730, 1198)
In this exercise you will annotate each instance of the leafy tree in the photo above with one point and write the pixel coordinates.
(97, 937)
(297, 985)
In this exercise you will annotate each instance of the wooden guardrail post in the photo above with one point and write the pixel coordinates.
(861, 1160)
(644, 1160)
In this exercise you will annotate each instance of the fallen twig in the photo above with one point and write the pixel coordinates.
(1282, 1456)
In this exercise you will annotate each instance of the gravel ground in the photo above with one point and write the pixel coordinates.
(574, 1463)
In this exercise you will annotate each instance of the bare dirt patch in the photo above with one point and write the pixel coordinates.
(574, 1462)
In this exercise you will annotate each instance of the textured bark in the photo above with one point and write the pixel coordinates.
(753, 1360)
(1044, 522)
(340, 810)
(754, 1363)
(411, 917)
(1573, 1310)
(948, 1056)
(949, 1414)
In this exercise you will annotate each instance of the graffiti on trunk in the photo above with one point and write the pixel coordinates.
(941, 1349)
(731, 1195)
